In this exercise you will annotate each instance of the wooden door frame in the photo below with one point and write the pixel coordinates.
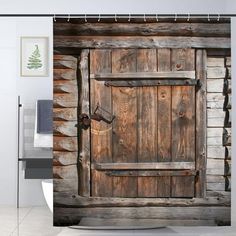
(200, 144)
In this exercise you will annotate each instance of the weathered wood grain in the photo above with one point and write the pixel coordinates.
(228, 61)
(65, 100)
(141, 29)
(144, 165)
(64, 74)
(215, 62)
(65, 172)
(228, 183)
(124, 126)
(145, 75)
(65, 64)
(84, 135)
(64, 158)
(164, 122)
(201, 123)
(139, 42)
(69, 200)
(227, 86)
(226, 137)
(216, 186)
(214, 136)
(216, 73)
(216, 118)
(228, 153)
(65, 185)
(65, 144)
(65, 128)
(64, 58)
(183, 122)
(101, 133)
(215, 85)
(69, 114)
(225, 194)
(216, 213)
(215, 164)
(147, 122)
(228, 167)
(216, 152)
(228, 101)
(65, 86)
(215, 100)
(215, 179)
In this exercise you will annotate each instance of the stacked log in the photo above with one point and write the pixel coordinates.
(218, 125)
(65, 102)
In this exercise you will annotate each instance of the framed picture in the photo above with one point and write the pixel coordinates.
(34, 56)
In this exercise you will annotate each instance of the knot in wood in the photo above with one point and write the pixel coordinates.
(181, 114)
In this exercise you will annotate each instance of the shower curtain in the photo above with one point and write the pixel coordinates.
(142, 121)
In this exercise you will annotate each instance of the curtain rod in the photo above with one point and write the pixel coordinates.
(121, 15)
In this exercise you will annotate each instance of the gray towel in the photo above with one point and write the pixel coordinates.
(44, 116)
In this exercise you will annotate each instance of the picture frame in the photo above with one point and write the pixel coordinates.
(34, 57)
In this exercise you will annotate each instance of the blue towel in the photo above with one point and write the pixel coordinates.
(44, 116)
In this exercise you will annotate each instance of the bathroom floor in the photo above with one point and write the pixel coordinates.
(37, 221)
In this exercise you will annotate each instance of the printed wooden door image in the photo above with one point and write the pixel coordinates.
(142, 132)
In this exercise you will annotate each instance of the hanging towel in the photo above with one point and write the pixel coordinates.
(45, 138)
(44, 116)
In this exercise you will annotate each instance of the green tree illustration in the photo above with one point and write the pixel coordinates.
(34, 61)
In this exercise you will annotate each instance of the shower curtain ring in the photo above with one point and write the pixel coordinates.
(85, 18)
(68, 20)
(99, 18)
(188, 19)
(157, 18)
(144, 17)
(129, 18)
(175, 17)
(218, 18)
(208, 17)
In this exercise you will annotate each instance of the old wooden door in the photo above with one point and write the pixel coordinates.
(148, 149)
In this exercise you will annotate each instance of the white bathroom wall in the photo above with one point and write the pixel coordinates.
(30, 89)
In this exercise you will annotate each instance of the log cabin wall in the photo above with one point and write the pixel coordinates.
(69, 40)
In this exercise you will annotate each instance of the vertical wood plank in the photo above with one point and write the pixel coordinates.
(84, 139)
(201, 119)
(101, 133)
(125, 124)
(183, 122)
(164, 123)
(147, 122)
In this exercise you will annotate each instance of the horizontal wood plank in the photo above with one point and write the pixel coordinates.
(215, 85)
(65, 185)
(215, 179)
(152, 173)
(216, 186)
(217, 213)
(214, 136)
(69, 114)
(64, 74)
(65, 64)
(144, 29)
(64, 158)
(215, 100)
(216, 117)
(65, 100)
(142, 83)
(215, 62)
(216, 73)
(65, 128)
(65, 86)
(65, 172)
(65, 144)
(143, 166)
(145, 75)
(70, 200)
(139, 42)
(218, 152)
(64, 58)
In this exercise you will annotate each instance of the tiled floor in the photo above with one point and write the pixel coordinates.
(37, 221)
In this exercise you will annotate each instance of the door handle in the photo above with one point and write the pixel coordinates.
(99, 114)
